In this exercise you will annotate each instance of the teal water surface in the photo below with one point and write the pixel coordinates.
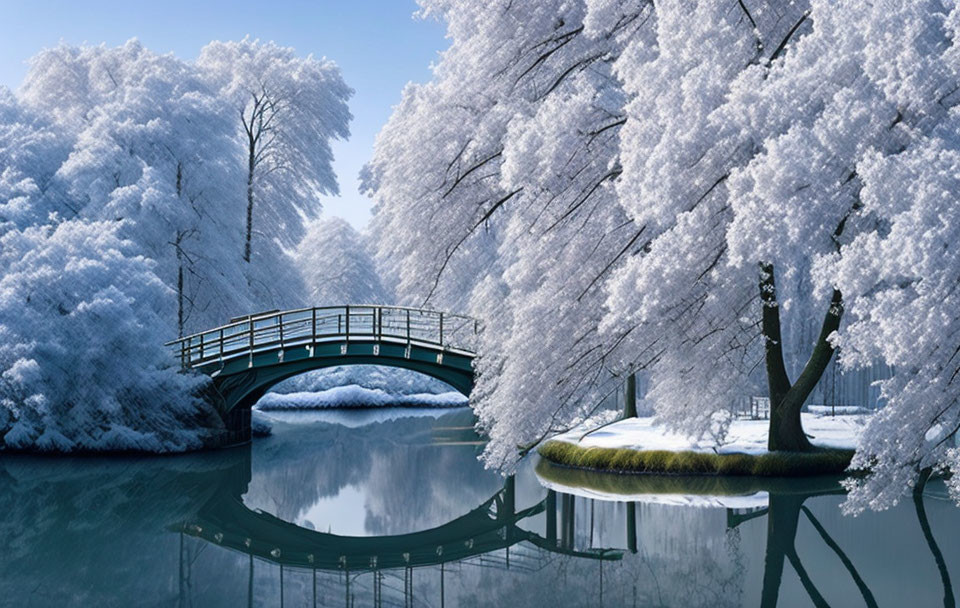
(392, 508)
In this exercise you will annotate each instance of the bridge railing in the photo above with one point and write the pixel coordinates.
(307, 326)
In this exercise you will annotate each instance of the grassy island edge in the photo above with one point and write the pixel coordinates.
(820, 461)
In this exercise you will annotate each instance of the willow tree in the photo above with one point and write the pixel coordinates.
(675, 188)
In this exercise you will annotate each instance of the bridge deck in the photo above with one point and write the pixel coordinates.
(274, 330)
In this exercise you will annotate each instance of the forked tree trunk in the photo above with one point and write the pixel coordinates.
(786, 398)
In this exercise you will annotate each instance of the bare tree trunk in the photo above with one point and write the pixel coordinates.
(179, 258)
(179, 291)
(786, 399)
(251, 166)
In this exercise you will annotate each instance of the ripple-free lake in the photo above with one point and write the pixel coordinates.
(364, 508)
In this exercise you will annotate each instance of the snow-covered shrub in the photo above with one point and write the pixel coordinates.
(83, 319)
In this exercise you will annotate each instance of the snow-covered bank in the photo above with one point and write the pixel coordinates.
(358, 396)
(744, 436)
(353, 417)
(388, 379)
(261, 424)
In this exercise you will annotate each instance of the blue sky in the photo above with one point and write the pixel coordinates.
(378, 44)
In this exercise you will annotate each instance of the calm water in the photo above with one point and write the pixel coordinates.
(367, 508)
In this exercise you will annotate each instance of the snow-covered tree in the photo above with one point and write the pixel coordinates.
(83, 319)
(144, 148)
(704, 177)
(337, 267)
(287, 110)
(31, 151)
(151, 147)
(505, 194)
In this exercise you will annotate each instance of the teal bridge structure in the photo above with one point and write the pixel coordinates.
(251, 354)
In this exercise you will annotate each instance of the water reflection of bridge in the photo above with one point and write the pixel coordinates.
(489, 536)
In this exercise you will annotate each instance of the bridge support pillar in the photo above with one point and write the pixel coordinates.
(239, 428)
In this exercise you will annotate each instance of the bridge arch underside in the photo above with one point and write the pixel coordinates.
(242, 381)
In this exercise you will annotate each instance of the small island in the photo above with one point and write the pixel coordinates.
(638, 445)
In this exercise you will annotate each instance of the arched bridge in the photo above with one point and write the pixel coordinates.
(251, 354)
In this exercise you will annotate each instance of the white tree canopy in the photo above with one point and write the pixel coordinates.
(623, 176)
(286, 110)
(337, 267)
(123, 183)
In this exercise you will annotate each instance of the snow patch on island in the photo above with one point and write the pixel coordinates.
(743, 437)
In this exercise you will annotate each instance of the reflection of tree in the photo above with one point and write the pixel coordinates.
(423, 486)
(783, 516)
(407, 478)
(77, 530)
(307, 463)
(857, 579)
(948, 599)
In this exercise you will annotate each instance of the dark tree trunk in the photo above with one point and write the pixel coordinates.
(179, 293)
(630, 397)
(177, 244)
(786, 399)
(251, 166)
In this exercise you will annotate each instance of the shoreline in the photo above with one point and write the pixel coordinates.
(685, 463)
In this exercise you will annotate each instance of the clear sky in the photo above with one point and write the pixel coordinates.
(378, 44)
